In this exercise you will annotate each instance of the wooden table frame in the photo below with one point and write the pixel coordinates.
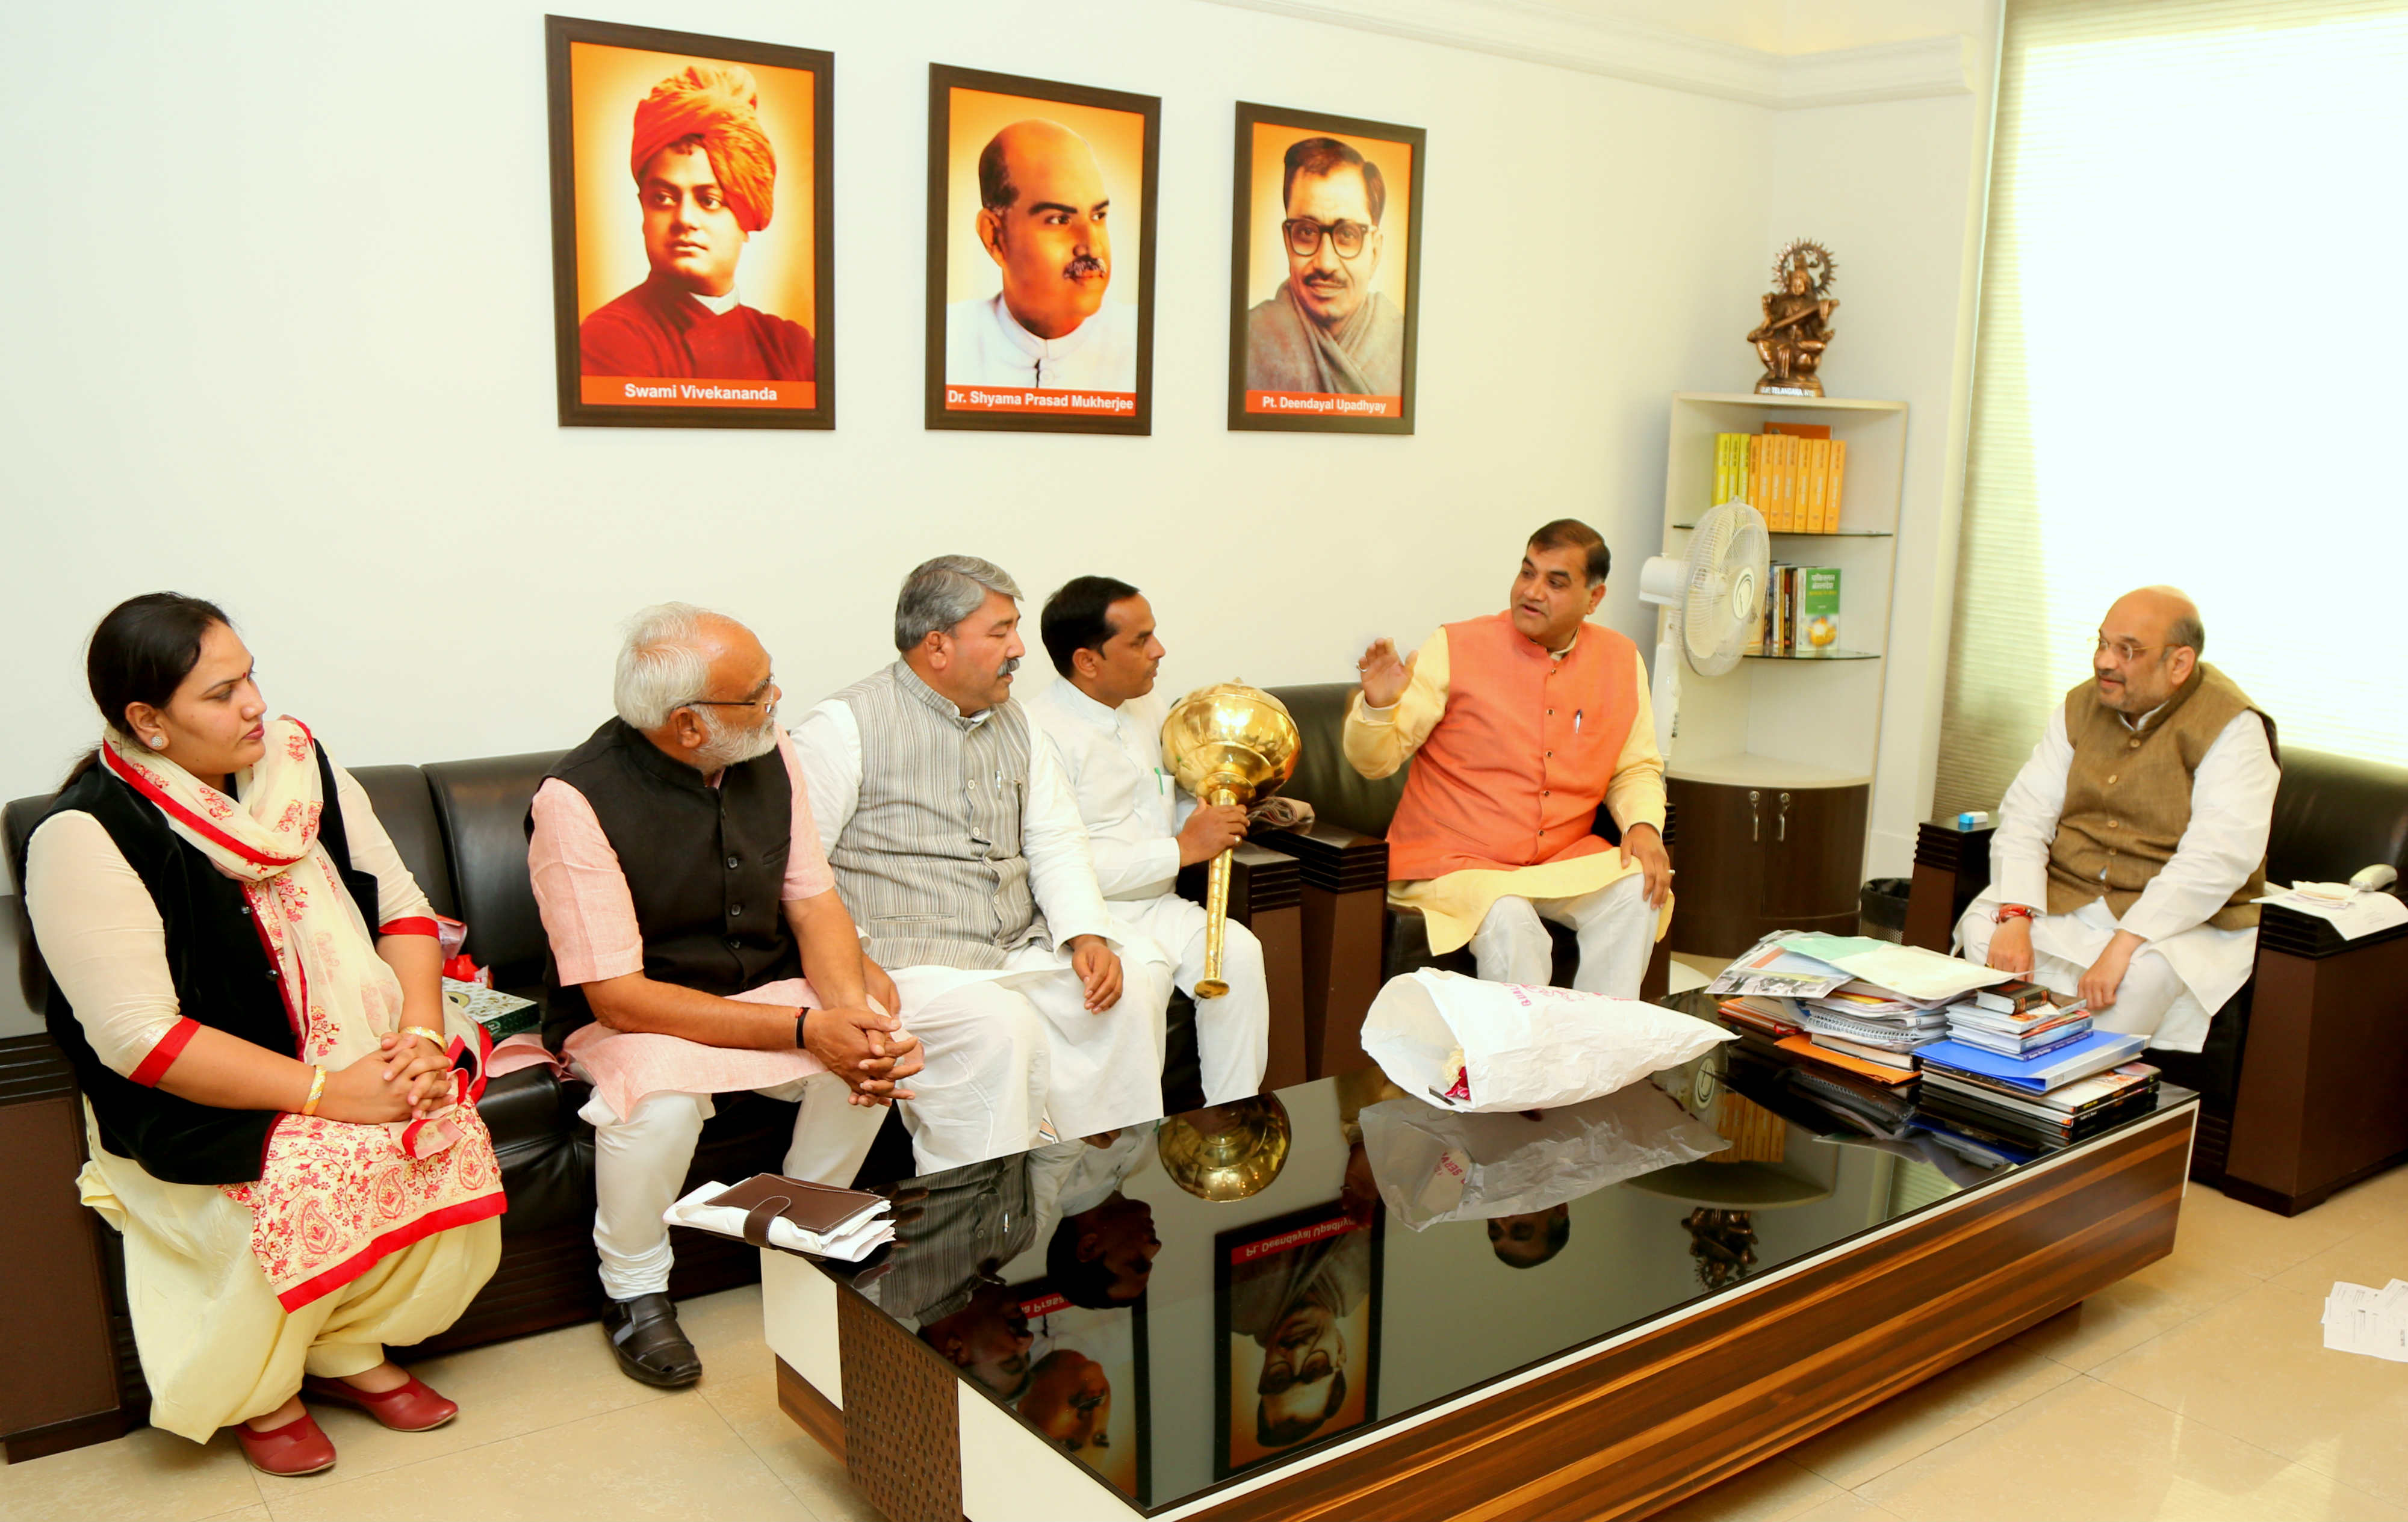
(1620, 1427)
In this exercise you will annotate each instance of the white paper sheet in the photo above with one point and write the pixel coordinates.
(2351, 911)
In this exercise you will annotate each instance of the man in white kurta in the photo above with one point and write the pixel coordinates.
(2075, 830)
(1105, 722)
(957, 843)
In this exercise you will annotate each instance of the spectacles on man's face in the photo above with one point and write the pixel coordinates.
(1304, 236)
(768, 700)
(2124, 651)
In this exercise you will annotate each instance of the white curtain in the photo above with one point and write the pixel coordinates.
(2192, 365)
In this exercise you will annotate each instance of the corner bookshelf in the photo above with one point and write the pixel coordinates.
(1772, 765)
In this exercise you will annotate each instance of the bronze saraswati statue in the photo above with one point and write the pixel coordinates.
(1796, 319)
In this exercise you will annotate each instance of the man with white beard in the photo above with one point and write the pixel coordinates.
(686, 899)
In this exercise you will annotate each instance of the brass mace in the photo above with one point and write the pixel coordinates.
(1227, 743)
(1225, 1151)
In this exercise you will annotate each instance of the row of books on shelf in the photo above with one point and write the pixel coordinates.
(1801, 610)
(2004, 1066)
(1791, 473)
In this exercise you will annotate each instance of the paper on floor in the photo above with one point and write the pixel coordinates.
(2371, 1321)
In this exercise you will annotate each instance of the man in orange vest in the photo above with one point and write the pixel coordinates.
(1519, 726)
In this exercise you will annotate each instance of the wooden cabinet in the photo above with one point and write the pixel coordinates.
(1759, 856)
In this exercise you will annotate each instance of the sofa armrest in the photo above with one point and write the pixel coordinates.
(1951, 866)
(24, 984)
(2318, 1106)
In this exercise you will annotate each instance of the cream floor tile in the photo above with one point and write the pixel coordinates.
(2087, 1450)
(1775, 1490)
(2380, 1201)
(150, 1475)
(2133, 1310)
(2375, 1257)
(750, 1406)
(670, 1458)
(2257, 1368)
(2258, 1243)
(1933, 1413)
(725, 1329)
(1846, 1508)
(522, 1385)
(249, 1514)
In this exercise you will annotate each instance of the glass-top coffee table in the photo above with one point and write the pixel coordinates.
(1343, 1301)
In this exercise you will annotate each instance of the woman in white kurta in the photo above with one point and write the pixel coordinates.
(370, 1212)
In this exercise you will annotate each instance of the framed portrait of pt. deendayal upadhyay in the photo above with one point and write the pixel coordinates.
(691, 229)
(1324, 273)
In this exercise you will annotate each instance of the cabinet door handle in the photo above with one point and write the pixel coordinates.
(1754, 819)
(1780, 826)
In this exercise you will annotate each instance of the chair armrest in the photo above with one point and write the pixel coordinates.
(1340, 860)
(1951, 866)
(1260, 880)
(24, 983)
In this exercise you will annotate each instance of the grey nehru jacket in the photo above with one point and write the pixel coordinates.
(933, 831)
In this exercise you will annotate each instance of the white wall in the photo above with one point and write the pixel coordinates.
(279, 333)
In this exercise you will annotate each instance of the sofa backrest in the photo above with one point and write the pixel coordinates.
(482, 807)
(406, 810)
(16, 820)
(2334, 814)
(1338, 794)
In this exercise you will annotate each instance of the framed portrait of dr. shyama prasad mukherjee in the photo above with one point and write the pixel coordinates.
(1324, 273)
(1296, 1333)
(691, 219)
(1041, 254)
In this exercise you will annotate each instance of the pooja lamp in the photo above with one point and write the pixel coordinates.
(1226, 1152)
(1227, 743)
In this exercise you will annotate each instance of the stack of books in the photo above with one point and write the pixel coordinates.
(2016, 1018)
(1801, 610)
(1872, 1025)
(2041, 1102)
(1791, 473)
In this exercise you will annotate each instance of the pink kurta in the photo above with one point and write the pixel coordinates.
(590, 917)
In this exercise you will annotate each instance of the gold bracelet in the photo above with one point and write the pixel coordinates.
(434, 1037)
(317, 1089)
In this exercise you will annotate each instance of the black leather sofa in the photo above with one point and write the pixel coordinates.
(2304, 1077)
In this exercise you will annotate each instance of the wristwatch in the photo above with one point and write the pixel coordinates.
(2004, 913)
(800, 1015)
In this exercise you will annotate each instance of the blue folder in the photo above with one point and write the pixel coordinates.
(2053, 1069)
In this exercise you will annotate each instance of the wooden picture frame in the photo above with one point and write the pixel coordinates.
(1320, 362)
(1105, 361)
(1349, 1247)
(633, 356)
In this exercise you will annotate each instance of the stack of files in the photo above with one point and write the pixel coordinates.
(2070, 1113)
(1774, 1076)
(1873, 1024)
(2041, 1028)
(1805, 1049)
(1774, 1017)
(2033, 1076)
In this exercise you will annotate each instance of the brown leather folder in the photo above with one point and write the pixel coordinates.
(817, 1208)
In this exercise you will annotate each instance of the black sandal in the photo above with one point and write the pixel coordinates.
(650, 1345)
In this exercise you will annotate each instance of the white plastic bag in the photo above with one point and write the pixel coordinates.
(1435, 1165)
(1524, 1049)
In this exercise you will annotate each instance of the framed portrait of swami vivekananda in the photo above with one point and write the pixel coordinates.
(691, 229)
(1041, 254)
(1324, 273)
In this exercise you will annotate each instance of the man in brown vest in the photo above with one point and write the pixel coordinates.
(1519, 726)
(2133, 844)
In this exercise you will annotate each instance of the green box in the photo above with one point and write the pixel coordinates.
(1818, 608)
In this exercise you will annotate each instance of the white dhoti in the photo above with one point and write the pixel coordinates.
(1233, 1032)
(1615, 926)
(1010, 1047)
(2171, 987)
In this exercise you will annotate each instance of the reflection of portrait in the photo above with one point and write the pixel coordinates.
(1326, 329)
(1086, 1393)
(1069, 1400)
(689, 227)
(1043, 217)
(706, 180)
(1295, 1306)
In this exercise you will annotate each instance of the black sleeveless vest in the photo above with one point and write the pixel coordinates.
(705, 866)
(223, 979)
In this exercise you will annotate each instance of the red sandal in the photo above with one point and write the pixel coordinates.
(297, 1447)
(407, 1407)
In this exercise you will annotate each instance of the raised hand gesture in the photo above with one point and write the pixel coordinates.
(1385, 675)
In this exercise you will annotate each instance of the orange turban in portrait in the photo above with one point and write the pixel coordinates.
(720, 104)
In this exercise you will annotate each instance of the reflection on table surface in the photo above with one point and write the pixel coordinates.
(1392, 1254)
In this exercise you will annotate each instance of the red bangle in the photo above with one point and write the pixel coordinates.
(2011, 911)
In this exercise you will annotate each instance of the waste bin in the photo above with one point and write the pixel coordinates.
(1880, 909)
